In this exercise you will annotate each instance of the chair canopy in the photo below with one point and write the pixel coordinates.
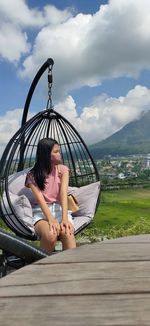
(20, 152)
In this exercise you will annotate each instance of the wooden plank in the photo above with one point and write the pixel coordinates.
(79, 287)
(103, 251)
(107, 310)
(105, 283)
(140, 238)
(42, 274)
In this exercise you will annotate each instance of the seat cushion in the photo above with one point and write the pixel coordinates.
(16, 185)
(80, 222)
(87, 197)
(22, 208)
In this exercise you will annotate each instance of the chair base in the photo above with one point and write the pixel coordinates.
(16, 253)
(9, 263)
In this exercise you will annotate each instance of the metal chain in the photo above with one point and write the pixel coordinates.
(50, 81)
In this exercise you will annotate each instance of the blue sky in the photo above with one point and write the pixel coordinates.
(102, 65)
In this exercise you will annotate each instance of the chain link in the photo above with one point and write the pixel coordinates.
(50, 81)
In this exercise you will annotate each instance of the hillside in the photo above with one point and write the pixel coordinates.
(134, 138)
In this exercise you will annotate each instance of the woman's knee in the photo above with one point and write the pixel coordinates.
(42, 229)
(49, 237)
(68, 240)
(64, 235)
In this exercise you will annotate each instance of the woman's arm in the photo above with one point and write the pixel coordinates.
(63, 195)
(69, 229)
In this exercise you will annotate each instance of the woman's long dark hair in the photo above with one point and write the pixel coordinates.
(42, 165)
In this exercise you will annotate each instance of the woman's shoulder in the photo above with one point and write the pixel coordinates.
(29, 179)
(63, 168)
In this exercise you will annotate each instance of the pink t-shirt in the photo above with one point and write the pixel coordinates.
(51, 192)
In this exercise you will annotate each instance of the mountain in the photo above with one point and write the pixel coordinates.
(133, 138)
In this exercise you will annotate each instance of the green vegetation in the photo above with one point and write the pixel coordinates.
(121, 213)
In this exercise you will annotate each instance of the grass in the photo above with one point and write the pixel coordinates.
(123, 207)
(121, 213)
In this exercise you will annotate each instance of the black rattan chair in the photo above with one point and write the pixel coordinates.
(19, 155)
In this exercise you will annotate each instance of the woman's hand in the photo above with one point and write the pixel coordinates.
(54, 226)
(67, 227)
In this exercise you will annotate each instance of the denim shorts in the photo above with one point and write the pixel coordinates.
(56, 211)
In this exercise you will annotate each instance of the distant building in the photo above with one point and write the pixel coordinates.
(121, 176)
(146, 162)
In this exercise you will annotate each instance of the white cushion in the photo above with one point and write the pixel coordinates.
(16, 185)
(22, 208)
(80, 222)
(87, 198)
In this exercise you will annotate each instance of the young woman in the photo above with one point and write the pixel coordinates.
(48, 181)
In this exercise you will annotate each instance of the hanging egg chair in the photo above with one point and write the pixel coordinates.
(19, 156)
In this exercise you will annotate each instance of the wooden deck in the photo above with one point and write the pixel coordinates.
(106, 283)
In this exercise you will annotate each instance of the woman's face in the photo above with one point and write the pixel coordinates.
(55, 154)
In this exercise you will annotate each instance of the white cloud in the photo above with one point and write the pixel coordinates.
(15, 20)
(106, 115)
(9, 124)
(87, 49)
(13, 42)
(19, 13)
(101, 119)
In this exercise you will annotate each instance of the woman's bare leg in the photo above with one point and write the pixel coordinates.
(47, 238)
(68, 240)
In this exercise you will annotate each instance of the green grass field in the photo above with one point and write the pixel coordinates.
(121, 213)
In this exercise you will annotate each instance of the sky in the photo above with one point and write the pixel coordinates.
(101, 53)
